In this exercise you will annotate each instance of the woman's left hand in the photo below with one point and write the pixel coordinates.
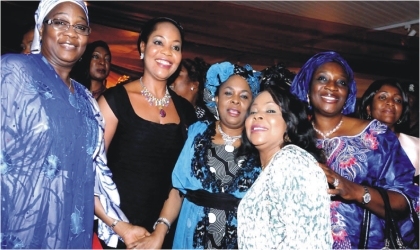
(346, 189)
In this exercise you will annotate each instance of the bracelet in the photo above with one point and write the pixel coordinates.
(162, 220)
(114, 224)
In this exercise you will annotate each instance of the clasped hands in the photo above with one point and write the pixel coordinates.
(136, 237)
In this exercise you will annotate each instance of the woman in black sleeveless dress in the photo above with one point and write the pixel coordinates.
(146, 126)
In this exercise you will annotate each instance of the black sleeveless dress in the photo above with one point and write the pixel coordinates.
(141, 157)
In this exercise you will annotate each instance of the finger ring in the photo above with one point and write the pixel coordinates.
(336, 182)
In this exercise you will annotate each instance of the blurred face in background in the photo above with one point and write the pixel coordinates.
(100, 64)
(387, 105)
(183, 86)
(27, 39)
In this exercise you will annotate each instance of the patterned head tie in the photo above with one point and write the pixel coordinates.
(301, 84)
(219, 73)
(44, 7)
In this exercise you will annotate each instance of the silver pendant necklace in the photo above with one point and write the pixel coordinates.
(229, 140)
(330, 132)
(153, 101)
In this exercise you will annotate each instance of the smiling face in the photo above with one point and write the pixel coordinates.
(233, 100)
(162, 53)
(64, 48)
(100, 64)
(329, 89)
(386, 105)
(265, 126)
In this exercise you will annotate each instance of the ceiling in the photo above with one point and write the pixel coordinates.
(391, 16)
(370, 35)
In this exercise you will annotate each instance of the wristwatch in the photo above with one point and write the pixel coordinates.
(366, 197)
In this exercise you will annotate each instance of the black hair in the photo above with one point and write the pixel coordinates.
(299, 130)
(197, 70)
(150, 26)
(370, 92)
(81, 70)
(276, 75)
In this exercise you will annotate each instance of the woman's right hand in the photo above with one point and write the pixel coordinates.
(130, 233)
(153, 241)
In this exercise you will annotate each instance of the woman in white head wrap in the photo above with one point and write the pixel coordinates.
(52, 158)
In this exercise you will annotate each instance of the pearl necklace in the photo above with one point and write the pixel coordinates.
(229, 140)
(330, 132)
(153, 101)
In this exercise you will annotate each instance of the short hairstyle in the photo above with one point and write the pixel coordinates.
(299, 128)
(81, 70)
(301, 85)
(367, 100)
(150, 26)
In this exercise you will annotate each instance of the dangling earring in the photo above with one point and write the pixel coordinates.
(217, 114)
(307, 98)
(369, 117)
(286, 138)
(141, 56)
(399, 121)
(80, 59)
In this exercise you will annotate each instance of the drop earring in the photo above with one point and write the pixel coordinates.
(141, 56)
(309, 102)
(217, 114)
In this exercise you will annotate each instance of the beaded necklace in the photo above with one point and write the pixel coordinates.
(229, 140)
(330, 132)
(153, 101)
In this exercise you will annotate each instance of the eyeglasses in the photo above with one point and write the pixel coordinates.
(59, 24)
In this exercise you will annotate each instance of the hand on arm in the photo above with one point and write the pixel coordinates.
(351, 191)
(169, 211)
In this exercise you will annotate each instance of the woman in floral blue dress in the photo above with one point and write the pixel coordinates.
(360, 154)
(207, 173)
(52, 155)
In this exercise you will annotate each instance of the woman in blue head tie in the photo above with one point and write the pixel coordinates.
(360, 155)
(53, 164)
(208, 180)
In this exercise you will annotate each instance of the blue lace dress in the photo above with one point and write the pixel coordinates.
(203, 165)
(51, 154)
(374, 157)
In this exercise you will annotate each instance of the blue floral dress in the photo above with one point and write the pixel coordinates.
(203, 165)
(374, 157)
(52, 158)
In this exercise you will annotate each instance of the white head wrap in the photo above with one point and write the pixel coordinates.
(45, 6)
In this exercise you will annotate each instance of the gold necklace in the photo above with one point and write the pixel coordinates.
(153, 101)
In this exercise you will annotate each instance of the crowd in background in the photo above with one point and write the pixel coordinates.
(193, 155)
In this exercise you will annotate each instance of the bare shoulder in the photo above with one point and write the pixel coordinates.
(132, 87)
(353, 126)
